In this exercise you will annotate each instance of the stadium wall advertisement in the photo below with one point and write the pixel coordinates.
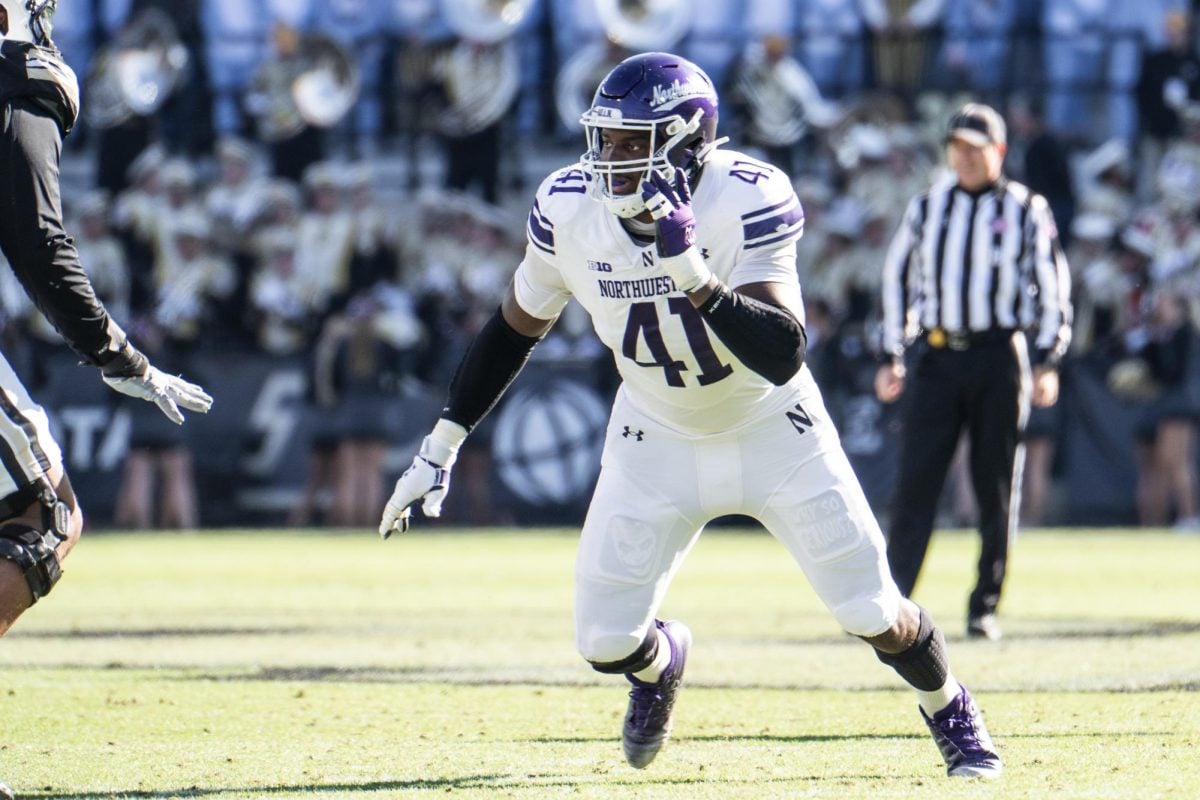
(538, 452)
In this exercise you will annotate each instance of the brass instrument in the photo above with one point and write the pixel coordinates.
(645, 24)
(629, 26)
(316, 85)
(135, 74)
(480, 75)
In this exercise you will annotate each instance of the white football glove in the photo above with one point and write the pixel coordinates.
(168, 392)
(427, 479)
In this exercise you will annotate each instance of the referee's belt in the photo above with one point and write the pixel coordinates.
(939, 338)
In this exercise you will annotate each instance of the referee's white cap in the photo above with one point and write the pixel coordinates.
(977, 124)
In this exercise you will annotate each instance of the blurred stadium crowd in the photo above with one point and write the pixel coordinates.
(348, 180)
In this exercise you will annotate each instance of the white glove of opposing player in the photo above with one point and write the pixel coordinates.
(168, 392)
(427, 479)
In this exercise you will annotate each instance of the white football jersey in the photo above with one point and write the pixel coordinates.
(674, 367)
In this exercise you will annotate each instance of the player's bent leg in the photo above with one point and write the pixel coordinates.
(33, 545)
(822, 516)
(633, 541)
(946, 706)
(818, 511)
(636, 536)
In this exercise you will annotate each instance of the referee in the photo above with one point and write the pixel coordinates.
(975, 266)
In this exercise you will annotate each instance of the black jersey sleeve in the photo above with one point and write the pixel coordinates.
(32, 236)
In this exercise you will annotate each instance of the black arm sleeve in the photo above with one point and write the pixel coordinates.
(766, 338)
(32, 235)
(492, 361)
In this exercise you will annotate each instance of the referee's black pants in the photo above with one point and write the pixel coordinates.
(985, 389)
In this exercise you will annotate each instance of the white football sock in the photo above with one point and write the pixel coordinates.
(653, 672)
(935, 701)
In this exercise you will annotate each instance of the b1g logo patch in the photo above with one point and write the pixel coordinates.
(826, 530)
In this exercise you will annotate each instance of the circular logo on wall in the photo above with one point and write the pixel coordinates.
(547, 442)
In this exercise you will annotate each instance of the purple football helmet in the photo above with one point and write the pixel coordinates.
(662, 94)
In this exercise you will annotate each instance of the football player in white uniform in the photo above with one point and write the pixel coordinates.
(684, 256)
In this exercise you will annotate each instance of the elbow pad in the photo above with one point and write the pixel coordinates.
(766, 338)
(492, 362)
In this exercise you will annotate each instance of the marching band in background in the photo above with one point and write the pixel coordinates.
(292, 175)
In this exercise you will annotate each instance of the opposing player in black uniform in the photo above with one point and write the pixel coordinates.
(40, 519)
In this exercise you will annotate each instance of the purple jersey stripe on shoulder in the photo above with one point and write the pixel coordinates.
(538, 232)
(545, 249)
(793, 233)
(777, 223)
(537, 211)
(769, 209)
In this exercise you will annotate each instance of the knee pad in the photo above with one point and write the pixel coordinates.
(34, 552)
(924, 664)
(638, 660)
(864, 616)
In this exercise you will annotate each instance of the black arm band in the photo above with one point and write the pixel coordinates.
(492, 361)
(123, 361)
(766, 338)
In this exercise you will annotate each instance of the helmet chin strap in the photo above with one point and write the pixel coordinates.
(707, 150)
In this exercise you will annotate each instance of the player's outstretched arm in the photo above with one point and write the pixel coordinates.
(493, 360)
(46, 263)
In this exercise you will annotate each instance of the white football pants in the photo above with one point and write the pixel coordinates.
(658, 488)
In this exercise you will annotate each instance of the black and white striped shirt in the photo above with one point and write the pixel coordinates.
(977, 261)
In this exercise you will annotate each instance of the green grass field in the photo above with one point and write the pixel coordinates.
(248, 664)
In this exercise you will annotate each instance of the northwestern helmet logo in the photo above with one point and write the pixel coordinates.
(678, 90)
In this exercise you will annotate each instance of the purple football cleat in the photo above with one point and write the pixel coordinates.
(960, 734)
(648, 720)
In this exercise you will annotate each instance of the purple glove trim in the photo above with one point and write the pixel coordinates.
(671, 207)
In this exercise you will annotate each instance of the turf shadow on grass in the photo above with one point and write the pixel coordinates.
(853, 737)
(500, 782)
(162, 633)
(1048, 629)
(756, 737)
(317, 789)
(1115, 629)
(473, 676)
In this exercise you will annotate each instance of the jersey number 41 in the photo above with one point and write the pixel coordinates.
(643, 324)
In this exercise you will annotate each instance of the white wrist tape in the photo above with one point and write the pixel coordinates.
(443, 442)
(688, 269)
